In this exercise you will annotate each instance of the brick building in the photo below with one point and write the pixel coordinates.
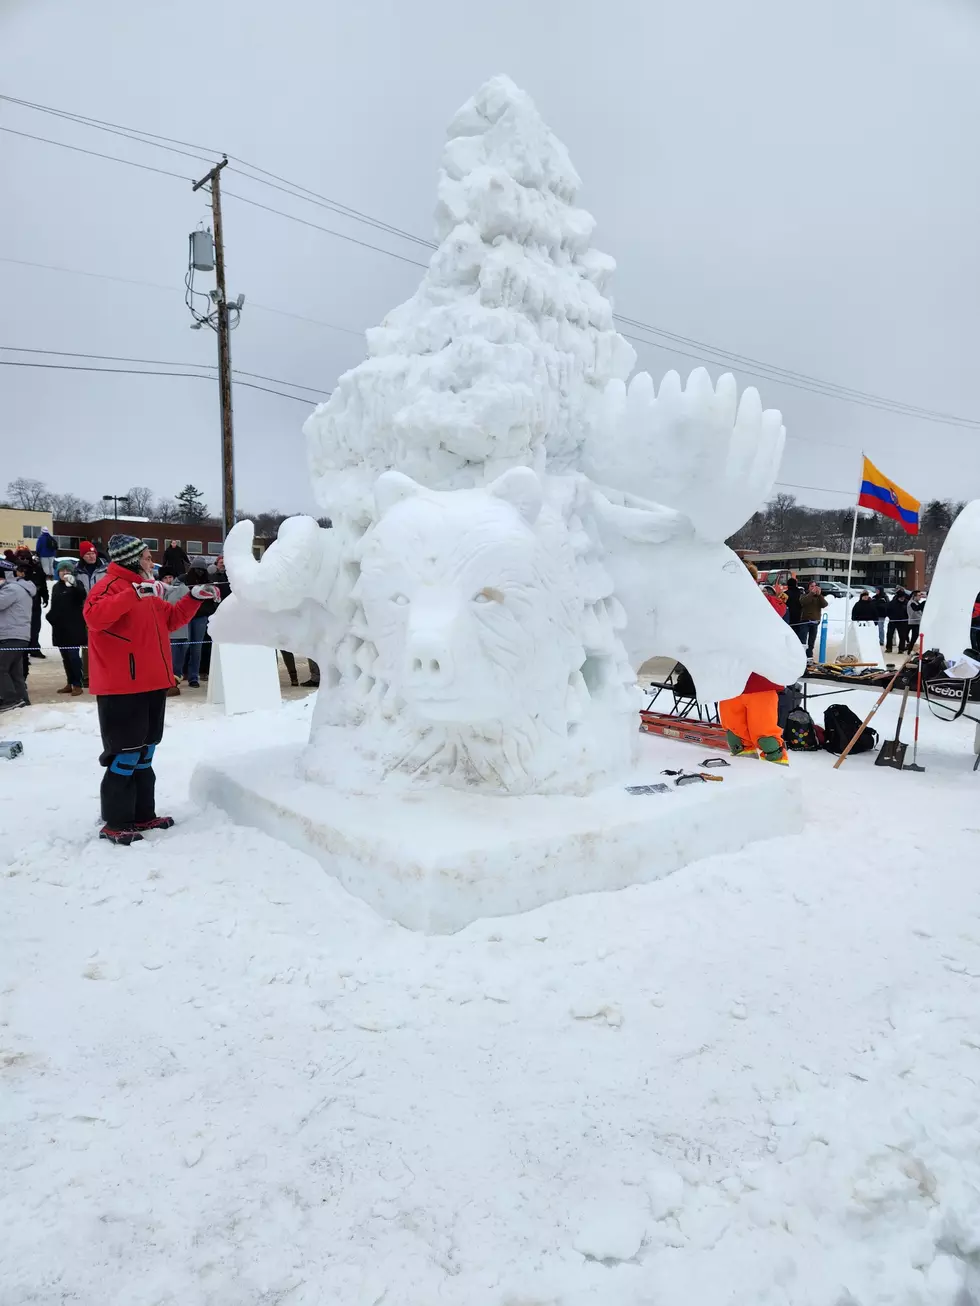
(876, 567)
(195, 539)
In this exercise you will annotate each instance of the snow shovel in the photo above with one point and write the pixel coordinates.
(892, 751)
(914, 764)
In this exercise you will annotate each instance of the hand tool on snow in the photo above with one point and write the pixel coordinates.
(892, 752)
(914, 764)
(863, 726)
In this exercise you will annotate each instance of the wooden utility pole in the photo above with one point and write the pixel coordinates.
(224, 350)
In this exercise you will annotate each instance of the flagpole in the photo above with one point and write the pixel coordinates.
(850, 556)
(850, 568)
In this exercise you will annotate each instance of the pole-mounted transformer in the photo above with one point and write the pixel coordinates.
(202, 251)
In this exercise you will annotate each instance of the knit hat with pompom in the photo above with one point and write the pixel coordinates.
(126, 550)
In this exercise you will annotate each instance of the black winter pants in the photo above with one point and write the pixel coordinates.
(899, 629)
(13, 683)
(132, 726)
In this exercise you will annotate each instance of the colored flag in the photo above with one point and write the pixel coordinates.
(884, 496)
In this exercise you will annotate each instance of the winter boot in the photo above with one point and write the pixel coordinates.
(121, 837)
(737, 747)
(771, 750)
(155, 823)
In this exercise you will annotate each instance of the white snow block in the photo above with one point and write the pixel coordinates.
(243, 678)
(437, 859)
(861, 639)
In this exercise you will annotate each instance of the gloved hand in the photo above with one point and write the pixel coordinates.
(205, 592)
(147, 589)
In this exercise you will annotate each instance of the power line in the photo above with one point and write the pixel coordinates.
(799, 380)
(161, 362)
(769, 371)
(159, 285)
(135, 371)
(127, 133)
(402, 258)
(146, 167)
(85, 120)
(303, 193)
(826, 489)
(175, 146)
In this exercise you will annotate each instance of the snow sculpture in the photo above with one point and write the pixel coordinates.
(514, 530)
(687, 468)
(955, 584)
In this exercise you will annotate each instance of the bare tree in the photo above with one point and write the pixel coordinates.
(140, 500)
(166, 510)
(69, 507)
(32, 496)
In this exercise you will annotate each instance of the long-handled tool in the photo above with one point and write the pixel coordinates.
(914, 764)
(892, 752)
(861, 728)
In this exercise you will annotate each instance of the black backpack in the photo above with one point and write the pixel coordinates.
(787, 701)
(799, 731)
(840, 725)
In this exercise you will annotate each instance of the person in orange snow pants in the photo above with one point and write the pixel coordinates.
(752, 721)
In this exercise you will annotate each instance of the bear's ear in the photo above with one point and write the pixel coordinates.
(520, 487)
(391, 488)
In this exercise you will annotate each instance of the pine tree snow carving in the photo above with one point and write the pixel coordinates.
(501, 355)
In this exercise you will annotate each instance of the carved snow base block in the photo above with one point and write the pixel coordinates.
(436, 859)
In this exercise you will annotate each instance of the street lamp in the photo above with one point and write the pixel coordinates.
(115, 500)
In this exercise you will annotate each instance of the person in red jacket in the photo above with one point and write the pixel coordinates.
(752, 719)
(130, 671)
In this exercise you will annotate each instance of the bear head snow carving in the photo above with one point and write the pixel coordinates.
(470, 597)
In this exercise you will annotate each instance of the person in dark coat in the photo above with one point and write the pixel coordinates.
(69, 634)
(129, 624)
(880, 600)
(898, 620)
(197, 628)
(864, 609)
(175, 558)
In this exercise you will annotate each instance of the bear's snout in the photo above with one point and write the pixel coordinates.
(429, 666)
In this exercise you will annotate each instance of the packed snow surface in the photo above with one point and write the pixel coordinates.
(226, 1082)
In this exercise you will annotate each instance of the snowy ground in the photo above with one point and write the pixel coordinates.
(225, 1082)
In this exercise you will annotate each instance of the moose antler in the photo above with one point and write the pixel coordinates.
(696, 450)
(301, 564)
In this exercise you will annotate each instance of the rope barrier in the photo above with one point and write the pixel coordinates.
(76, 648)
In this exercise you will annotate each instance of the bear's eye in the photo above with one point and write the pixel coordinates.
(488, 595)
(400, 599)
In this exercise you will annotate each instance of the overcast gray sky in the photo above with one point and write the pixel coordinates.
(791, 181)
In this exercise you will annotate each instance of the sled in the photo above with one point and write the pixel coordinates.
(684, 729)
